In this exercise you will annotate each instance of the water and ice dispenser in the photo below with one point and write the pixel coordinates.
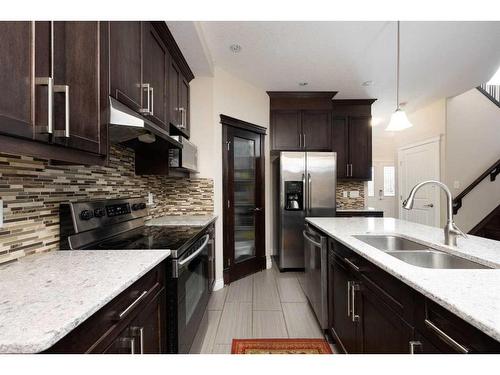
(294, 195)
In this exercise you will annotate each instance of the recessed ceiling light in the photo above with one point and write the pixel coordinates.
(367, 83)
(235, 48)
(303, 83)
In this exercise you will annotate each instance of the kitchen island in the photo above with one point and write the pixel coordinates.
(470, 294)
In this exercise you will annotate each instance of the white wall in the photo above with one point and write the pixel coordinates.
(231, 96)
(473, 135)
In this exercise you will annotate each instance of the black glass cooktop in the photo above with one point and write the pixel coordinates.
(150, 237)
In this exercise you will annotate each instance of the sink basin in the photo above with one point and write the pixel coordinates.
(417, 254)
(436, 259)
(391, 243)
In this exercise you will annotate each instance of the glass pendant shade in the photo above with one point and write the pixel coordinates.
(399, 121)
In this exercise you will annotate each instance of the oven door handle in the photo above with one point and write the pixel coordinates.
(188, 259)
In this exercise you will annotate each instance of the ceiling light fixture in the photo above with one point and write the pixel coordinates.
(399, 120)
(235, 48)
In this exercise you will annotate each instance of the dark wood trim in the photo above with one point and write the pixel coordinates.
(19, 146)
(302, 94)
(301, 100)
(487, 94)
(477, 229)
(174, 50)
(492, 171)
(240, 124)
(354, 101)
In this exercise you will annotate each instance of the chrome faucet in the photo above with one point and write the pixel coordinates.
(451, 231)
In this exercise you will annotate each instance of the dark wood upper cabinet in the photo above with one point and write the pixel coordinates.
(285, 130)
(360, 147)
(340, 144)
(174, 77)
(317, 130)
(80, 81)
(16, 78)
(155, 71)
(125, 40)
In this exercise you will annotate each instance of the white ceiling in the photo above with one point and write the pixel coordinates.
(438, 59)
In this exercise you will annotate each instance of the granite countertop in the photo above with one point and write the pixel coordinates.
(45, 296)
(364, 209)
(187, 220)
(472, 294)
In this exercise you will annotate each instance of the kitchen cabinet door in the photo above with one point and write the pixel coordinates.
(360, 147)
(125, 38)
(381, 330)
(286, 130)
(340, 306)
(340, 144)
(80, 81)
(174, 77)
(149, 328)
(316, 130)
(16, 78)
(156, 59)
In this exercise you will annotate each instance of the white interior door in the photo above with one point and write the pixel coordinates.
(381, 190)
(416, 164)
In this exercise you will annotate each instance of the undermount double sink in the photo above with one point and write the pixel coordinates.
(417, 254)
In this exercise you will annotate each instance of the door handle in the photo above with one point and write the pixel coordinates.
(309, 191)
(152, 101)
(140, 332)
(64, 89)
(446, 338)
(354, 288)
(429, 205)
(306, 236)
(304, 135)
(413, 345)
(49, 82)
(349, 298)
(147, 88)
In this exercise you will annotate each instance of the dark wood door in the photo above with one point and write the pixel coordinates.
(360, 147)
(286, 130)
(317, 130)
(340, 144)
(155, 69)
(174, 77)
(16, 78)
(184, 104)
(381, 330)
(80, 81)
(148, 328)
(340, 306)
(125, 41)
(244, 206)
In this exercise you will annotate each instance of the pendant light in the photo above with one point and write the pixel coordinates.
(399, 120)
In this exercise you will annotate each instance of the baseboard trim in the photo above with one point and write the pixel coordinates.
(219, 284)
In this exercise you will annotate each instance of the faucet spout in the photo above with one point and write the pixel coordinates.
(451, 231)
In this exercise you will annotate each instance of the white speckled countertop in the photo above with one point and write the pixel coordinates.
(45, 296)
(472, 294)
(187, 220)
(365, 209)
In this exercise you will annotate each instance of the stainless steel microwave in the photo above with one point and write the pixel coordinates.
(186, 158)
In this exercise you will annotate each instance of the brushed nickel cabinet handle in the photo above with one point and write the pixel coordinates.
(66, 132)
(349, 298)
(49, 82)
(351, 264)
(446, 338)
(146, 88)
(414, 344)
(133, 304)
(139, 331)
(354, 288)
(152, 101)
(304, 135)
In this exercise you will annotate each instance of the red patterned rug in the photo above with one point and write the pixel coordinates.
(280, 346)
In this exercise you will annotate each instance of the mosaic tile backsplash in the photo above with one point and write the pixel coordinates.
(32, 190)
(350, 203)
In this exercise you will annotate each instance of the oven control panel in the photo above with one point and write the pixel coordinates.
(118, 209)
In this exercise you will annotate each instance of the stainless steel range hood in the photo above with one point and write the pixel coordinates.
(127, 125)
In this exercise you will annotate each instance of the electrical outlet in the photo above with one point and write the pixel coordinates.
(150, 199)
(1, 213)
(354, 194)
(344, 194)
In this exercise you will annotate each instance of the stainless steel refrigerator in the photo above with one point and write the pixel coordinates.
(304, 186)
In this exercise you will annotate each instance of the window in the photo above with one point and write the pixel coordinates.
(371, 187)
(389, 181)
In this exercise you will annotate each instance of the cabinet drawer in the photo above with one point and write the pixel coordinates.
(99, 331)
(449, 333)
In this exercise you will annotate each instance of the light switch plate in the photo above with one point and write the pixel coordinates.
(1, 213)
(354, 194)
(344, 194)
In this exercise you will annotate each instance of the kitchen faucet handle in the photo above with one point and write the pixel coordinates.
(459, 231)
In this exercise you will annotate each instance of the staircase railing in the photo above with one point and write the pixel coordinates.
(492, 171)
(492, 92)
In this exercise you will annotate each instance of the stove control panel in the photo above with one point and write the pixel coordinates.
(118, 209)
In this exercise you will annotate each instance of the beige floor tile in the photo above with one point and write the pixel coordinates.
(241, 290)
(221, 349)
(269, 324)
(213, 325)
(290, 290)
(217, 299)
(300, 321)
(235, 322)
(265, 292)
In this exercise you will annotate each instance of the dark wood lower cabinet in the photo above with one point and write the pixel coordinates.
(134, 322)
(372, 312)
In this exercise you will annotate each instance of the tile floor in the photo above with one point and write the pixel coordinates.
(268, 304)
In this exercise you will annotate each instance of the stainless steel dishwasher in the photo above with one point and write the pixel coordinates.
(316, 268)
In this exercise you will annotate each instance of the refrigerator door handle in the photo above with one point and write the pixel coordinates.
(309, 191)
(304, 201)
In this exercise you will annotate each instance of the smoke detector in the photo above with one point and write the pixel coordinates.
(235, 48)
(303, 83)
